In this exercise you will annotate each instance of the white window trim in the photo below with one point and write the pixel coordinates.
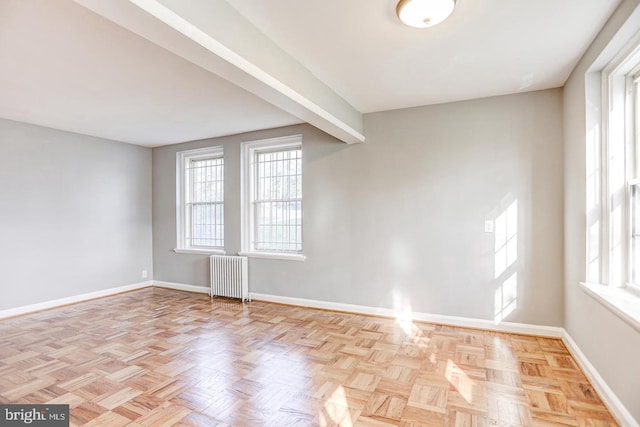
(613, 289)
(181, 158)
(246, 174)
(635, 287)
(617, 97)
(200, 251)
(623, 302)
(274, 255)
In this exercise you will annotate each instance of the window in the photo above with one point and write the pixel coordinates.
(272, 197)
(200, 175)
(634, 246)
(613, 184)
(633, 180)
(612, 180)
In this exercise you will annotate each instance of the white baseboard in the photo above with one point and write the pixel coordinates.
(25, 309)
(182, 287)
(610, 399)
(465, 322)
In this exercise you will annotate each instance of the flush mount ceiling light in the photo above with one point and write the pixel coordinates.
(424, 13)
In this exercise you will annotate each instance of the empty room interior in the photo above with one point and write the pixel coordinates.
(320, 212)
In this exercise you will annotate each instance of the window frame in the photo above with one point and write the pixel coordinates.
(248, 189)
(183, 158)
(633, 194)
(632, 169)
(612, 150)
(619, 151)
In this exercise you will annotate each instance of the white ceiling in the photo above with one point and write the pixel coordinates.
(485, 48)
(117, 77)
(65, 67)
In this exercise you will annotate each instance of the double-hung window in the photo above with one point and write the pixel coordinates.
(200, 175)
(633, 178)
(613, 184)
(613, 179)
(272, 198)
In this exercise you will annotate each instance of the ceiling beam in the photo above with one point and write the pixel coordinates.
(214, 36)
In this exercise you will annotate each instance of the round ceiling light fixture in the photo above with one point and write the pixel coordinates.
(424, 13)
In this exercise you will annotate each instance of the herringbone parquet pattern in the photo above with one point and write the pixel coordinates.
(161, 357)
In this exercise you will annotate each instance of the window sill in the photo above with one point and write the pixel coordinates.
(199, 251)
(268, 255)
(621, 302)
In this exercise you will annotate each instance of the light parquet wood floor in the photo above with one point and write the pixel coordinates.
(161, 357)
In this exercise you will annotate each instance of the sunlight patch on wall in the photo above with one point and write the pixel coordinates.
(506, 239)
(401, 307)
(506, 298)
(404, 319)
(505, 261)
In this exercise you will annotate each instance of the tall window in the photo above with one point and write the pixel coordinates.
(201, 199)
(273, 197)
(613, 184)
(633, 181)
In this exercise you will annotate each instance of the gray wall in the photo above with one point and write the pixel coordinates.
(610, 344)
(399, 220)
(75, 214)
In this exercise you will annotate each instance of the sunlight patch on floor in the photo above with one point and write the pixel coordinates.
(460, 380)
(336, 410)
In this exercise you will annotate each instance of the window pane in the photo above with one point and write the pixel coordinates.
(207, 224)
(278, 201)
(204, 226)
(635, 235)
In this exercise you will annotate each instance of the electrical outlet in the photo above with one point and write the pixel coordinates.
(488, 226)
(144, 274)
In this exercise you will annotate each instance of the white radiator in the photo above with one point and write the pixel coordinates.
(229, 277)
